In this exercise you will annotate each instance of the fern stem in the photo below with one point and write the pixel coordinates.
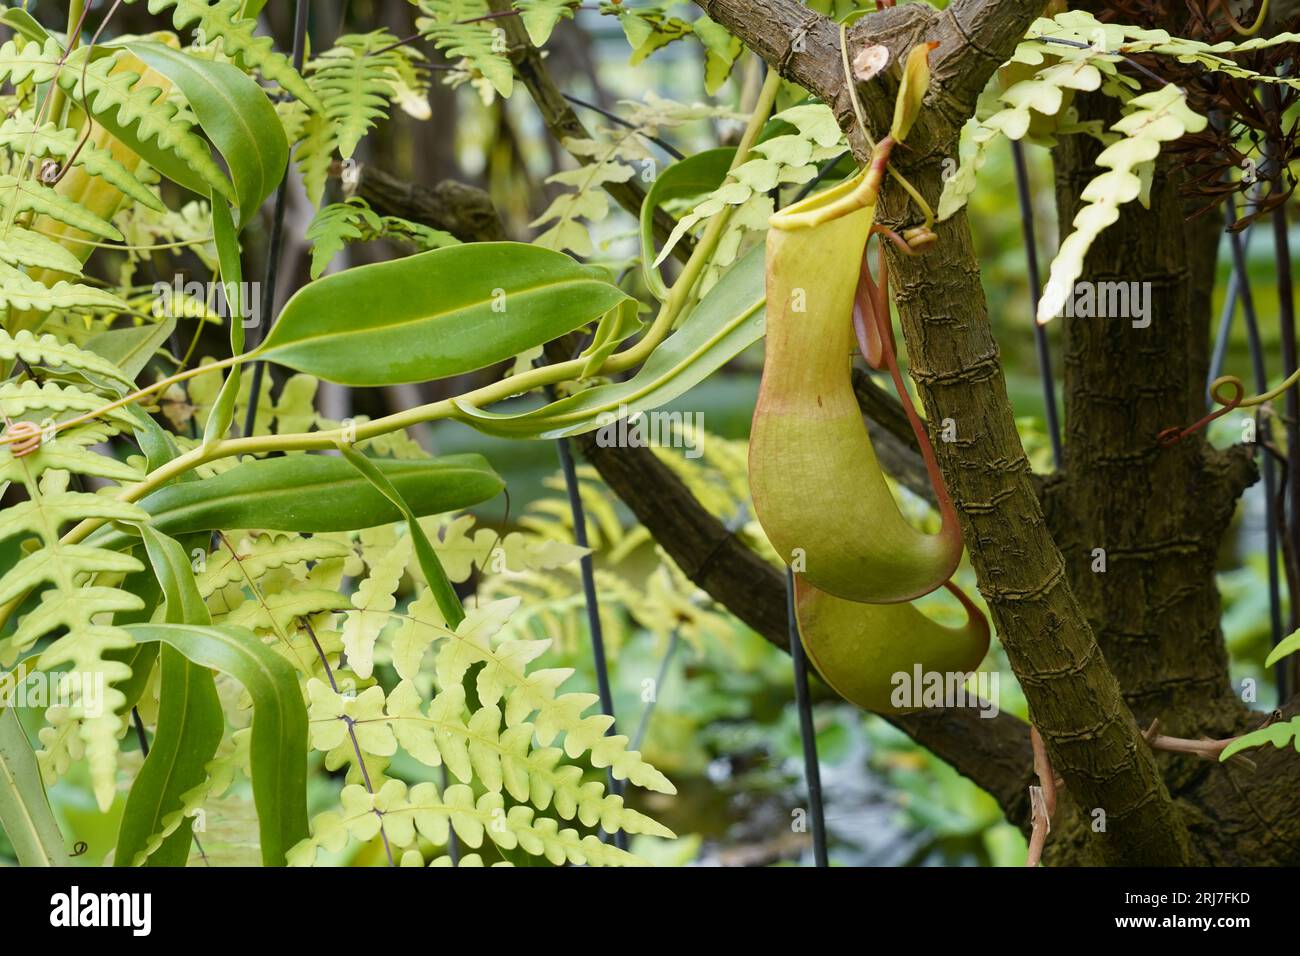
(807, 732)
(352, 732)
(613, 117)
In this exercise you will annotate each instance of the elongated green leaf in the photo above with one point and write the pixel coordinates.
(131, 348)
(236, 115)
(25, 812)
(24, 24)
(727, 321)
(190, 723)
(313, 493)
(279, 735)
(434, 573)
(692, 176)
(435, 314)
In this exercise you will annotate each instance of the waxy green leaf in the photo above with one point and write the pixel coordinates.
(234, 112)
(313, 493)
(279, 733)
(189, 728)
(435, 314)
(25, 813)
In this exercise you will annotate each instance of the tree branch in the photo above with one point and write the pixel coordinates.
(464, 211)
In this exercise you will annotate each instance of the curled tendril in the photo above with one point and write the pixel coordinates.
(1172, 436)
(24, 437)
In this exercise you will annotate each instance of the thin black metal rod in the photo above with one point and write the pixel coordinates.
(1035, 284)
(817, 180)
(666, 146)
(592, 602)
(141, 737)
(1286, 315)
(807, 732)
(644, 724)
(1237, 243)
(1224, 333)
(277, 234)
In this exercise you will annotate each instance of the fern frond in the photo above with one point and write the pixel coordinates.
(50, 353)
(482, 44)
(355, 82)
(255, 558)
(26, 195)
(541, 16)
(504, 676)
(72, 609)
(19, 292)
(114, 91)
(23, 247)
(401, 814)
(354, 221)
(314, 154)
(18, 134)
(373, 601)
(462, 547)
(335, 226)
(212, 19)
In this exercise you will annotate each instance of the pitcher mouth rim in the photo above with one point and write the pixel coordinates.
(842, 193)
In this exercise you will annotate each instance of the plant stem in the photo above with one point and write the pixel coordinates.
(679, 294)
(76, 14)
(644, 725)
